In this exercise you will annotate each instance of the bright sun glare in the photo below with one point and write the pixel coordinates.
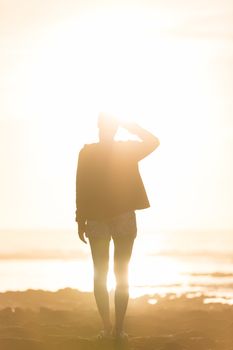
(80, 68)
(166, 272)
(89, 64)
(86, 65)
(138, 71)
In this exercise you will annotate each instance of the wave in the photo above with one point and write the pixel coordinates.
(194, 253)
(208, 274)
(76, 254)
(44, 255)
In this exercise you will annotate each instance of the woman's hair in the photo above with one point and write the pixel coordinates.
(107, 120)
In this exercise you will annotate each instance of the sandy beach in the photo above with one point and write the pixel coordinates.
(67, 319)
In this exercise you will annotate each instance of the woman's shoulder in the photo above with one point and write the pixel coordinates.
(89, 146)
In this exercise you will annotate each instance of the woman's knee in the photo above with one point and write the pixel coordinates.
(122, 287)
(121, 278)
(100, 274)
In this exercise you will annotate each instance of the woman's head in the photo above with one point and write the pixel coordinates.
(108, 126)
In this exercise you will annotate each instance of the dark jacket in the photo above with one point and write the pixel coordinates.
(108, 181)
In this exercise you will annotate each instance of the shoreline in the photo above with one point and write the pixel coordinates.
(68, 319)
(152, 296)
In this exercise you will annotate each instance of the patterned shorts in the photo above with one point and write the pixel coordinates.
(121, 225)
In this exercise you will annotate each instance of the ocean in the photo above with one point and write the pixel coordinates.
(194, 263)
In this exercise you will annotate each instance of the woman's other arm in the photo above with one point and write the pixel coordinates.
(149, 142)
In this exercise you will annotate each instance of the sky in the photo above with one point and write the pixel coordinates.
(168, 65)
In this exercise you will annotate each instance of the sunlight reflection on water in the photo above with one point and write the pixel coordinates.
(158, 275)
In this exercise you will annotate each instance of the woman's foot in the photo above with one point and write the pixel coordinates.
(105, 334)
(120, 335)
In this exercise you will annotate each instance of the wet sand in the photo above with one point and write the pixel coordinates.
(68, 320)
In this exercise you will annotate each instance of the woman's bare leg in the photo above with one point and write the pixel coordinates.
(122, 253)
(100, 256)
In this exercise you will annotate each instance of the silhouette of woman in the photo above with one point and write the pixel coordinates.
(109, 189)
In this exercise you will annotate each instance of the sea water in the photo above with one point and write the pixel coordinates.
(176, 262)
